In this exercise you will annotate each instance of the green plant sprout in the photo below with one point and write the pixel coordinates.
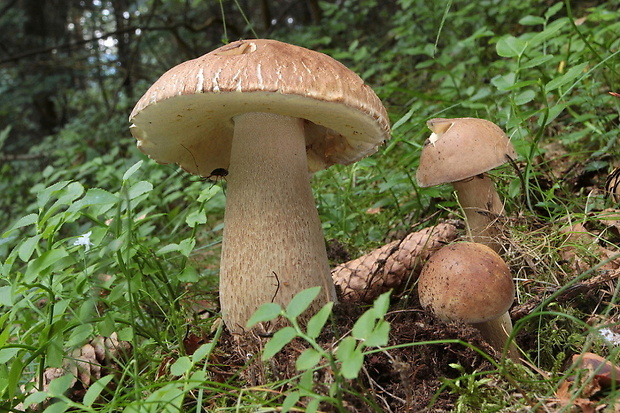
(370, 330)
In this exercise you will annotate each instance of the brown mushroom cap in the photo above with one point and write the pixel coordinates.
(186, 116)
(466, 282)
(461, 148)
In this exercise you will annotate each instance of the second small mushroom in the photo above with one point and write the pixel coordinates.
(470, 282)
(460, 151)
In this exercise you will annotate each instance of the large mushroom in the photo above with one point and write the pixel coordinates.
(470, 282)
(268, 113)
(460, 151)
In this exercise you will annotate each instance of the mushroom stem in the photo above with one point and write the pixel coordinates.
(273, 245)
(482, 206)
(497, 332)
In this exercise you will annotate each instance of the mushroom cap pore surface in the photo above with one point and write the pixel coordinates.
(466, 282)
(461, 148)
(187, 116)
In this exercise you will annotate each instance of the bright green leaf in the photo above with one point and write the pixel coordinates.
(139, 188)
(95, 390)
(168, 248)
(531, 20)
(23, 222)
(510, 46)
(37, 398)
(187, 246)
(382, 304)
(379, 336)
(195, 218)
(132, 170)
(290, 401)
(181, 366)
(79, 334)
(364, 325)
(202, 352)
(60, 385)
(308, 359)
(28, 246)
(265, 312)
(280, 339)
(567, 77)
(317, 322)
(301, 301)
(524, 97)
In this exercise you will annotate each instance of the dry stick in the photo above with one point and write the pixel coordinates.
(390, 266)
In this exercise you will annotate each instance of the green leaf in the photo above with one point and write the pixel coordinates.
(404, 119)
(139, 188)
(280, 339)
(44, 196)
(94, 196)
(317, 322)
(60, 385)
(364, 325)
(567, 77)
(189, 275)
(313, 405)
(37, 397)
(265, 312)
(38, 266)
(351, 358)
(6, 299)
(308, 359)
(379, 336)
(510, 46)
(187, 246)
(167, 248)
(79, 334)
(202, 352)
(532, 20)
(132, 170)
(95, 390)
(301, 302)
(554, 112)
(382, 304)
(346, 348)
(195, 218)
(181, 366)
(27, 248)
(537, 61)
(23, 222)
(290, 401)
(524, 97)
(551, 11)
(59, 406)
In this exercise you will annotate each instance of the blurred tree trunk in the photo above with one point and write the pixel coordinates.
(124, 40)
(45, 25)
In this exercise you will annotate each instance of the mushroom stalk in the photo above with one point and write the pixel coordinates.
(273, 245)
(497, 332)
(481, 205)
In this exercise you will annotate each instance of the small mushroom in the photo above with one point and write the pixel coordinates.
(268, 113)
(460, 151)
(470, 282)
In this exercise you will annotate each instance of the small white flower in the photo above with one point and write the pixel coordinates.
(84, 240)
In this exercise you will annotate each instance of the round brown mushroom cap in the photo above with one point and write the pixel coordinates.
(466, 282)
(186, 117)
(461, 148)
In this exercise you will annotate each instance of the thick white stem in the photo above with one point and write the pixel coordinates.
(482, 206)
(496, 333)
(273, 244)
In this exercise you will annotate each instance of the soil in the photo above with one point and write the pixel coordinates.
(405, 379)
